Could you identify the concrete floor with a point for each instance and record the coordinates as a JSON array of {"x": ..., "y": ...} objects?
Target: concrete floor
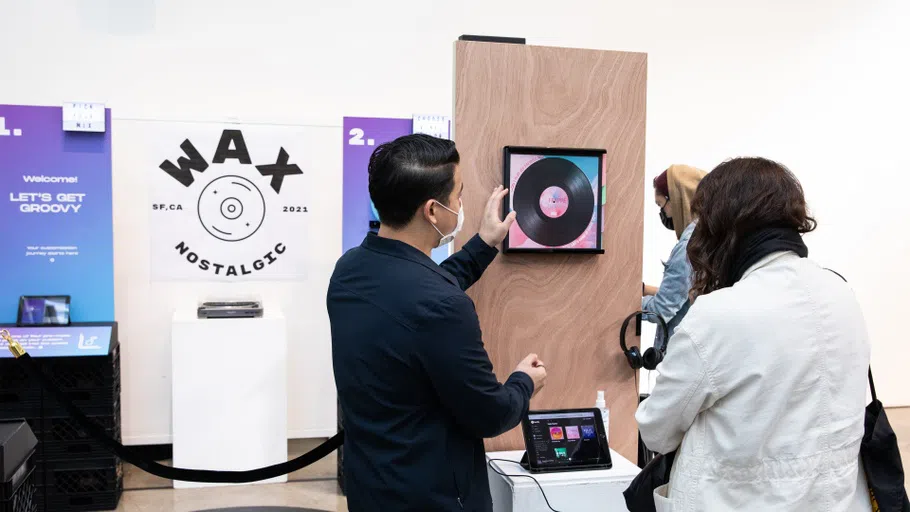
[{"x": 313, "y": 487}]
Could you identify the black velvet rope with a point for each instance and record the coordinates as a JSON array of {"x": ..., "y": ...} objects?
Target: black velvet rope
[{"x": 171, "y": 473}]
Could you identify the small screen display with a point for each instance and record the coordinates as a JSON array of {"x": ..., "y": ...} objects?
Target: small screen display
[
  {"x": 44, "y": 311},
  {"x": 567, "y": 438}
]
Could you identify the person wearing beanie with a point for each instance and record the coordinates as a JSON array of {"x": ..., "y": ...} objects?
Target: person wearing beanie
[{"x": 673, "y": 193}]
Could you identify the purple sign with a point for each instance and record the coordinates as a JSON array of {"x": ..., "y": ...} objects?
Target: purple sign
[
  {"x": 361, "y": 136},
  {"x": 67, "y": 341},
  {"x": 56, "y": 236}
]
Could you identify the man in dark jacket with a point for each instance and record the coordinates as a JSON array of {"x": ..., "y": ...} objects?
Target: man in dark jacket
[{"x": 417, "y": 389}]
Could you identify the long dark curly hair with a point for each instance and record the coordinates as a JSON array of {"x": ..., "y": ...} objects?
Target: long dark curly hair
[{"x": 739, "y": 197}]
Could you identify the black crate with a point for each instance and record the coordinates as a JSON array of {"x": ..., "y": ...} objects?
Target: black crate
[
  {"x": 65, "y": 439},
  {"x": 25, "y": 498},
  {"x": 35, "y": 425},
  {"x": 72, "y": 472},
  {"x": 92, "y": 383},
  {"x": 80, "y": 477},
  {"x": 82, "y": 502},
  {"x": 22, "y": 475},
  {"x": 13, "y": 374},
  {"x": 84, "y": 485},
  {"x": 19, "y": 410},
  {"x": 78, "y": 373},
  {"x": 92, "y": 402},
  {"x": 19, "y": 396}
]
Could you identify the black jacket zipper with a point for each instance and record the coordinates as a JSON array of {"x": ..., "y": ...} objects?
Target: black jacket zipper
[{"x": 458, "y": 491}]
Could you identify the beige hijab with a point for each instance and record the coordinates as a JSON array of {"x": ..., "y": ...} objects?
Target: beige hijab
[{"x": 682, "y": 180}]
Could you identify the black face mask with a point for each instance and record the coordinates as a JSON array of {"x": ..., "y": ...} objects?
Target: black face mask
[{"x": 666, "y": 221}]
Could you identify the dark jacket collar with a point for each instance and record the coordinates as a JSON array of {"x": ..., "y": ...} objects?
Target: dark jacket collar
[{"x": 398, "y": 249}]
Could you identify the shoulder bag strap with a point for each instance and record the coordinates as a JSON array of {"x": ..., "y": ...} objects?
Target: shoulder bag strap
[
  {"x": 872, "y": 385},
  {"x": 871, "y": 382}
]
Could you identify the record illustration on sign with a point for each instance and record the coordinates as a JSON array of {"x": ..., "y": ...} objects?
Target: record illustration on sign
[
  {"x": 231, "y": 208},
  {"x": 556, "y": 199}
]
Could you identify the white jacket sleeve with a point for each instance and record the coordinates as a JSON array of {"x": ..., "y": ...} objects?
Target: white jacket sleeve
[{"x": 684, "y": 389}]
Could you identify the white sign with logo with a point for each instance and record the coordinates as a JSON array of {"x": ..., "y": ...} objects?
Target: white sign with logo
[{"x": 238, "y": 202}]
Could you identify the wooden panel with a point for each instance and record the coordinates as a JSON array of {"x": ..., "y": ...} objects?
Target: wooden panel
[{"x": 566, "y": 308}]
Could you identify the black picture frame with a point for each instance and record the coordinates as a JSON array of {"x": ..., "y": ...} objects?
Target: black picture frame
[{"x": 600, "y": 154}]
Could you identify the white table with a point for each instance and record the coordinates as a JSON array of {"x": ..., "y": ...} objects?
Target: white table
[
  {"x": 568, "y": 491},
  {"x": 229, "y": 393}
]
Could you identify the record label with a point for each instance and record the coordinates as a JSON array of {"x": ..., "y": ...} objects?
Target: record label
[{"x": 554, "y": 202}]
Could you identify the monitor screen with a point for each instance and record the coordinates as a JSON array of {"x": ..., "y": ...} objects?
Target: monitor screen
[
  {"x": 564, "y": 438},
  {"x": 49, "y": 310}
]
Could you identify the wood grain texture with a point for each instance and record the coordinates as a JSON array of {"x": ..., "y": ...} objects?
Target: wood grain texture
[{"x": 566, "y": 308}]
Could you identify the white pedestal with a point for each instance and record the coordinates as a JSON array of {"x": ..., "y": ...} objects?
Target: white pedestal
[
  {"x": 568, "y": 491},
  {"x": 229, "y": 393}
]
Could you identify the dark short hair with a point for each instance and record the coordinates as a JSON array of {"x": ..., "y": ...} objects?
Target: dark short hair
[
  {"x": 409, "y": 171},
  {"x": 739, "y": 197}
]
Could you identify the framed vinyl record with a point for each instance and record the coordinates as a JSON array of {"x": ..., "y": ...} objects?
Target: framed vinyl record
[{"x": 556, "y": 194}]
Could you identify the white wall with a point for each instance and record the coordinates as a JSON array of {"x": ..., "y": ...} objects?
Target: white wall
[{"x": 820, "y": 85}]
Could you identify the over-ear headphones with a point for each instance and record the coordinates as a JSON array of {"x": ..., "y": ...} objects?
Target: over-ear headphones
[{"x": 651, "y": 357}]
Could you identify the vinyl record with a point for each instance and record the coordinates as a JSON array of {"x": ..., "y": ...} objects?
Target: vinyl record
[{"x": 553, "y": 201}]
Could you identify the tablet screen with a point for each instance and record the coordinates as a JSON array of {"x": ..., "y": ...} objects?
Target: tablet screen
[
  {"x": 565, "y": 438},
  {"x": 44, "y": 310}
]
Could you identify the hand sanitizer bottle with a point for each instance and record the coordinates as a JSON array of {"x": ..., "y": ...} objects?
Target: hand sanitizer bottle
[{"x": 604, "y": 412}]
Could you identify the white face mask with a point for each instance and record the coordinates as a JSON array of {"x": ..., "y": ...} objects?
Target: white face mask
[{"x": 446, "y": 239}]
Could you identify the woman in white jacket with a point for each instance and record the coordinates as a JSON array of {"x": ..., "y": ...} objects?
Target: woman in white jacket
[{"x": 763, "y": 387}]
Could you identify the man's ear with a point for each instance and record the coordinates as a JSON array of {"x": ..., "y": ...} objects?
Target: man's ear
[{"x": 429, "y": 211}]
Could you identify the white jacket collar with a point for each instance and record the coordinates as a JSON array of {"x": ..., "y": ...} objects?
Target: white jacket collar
[{"x": 768, "y": 260}]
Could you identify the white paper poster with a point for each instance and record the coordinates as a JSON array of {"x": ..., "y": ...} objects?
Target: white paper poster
[
  {"x": 237, "y": 202},
  {"x": 437, "y": 126}
]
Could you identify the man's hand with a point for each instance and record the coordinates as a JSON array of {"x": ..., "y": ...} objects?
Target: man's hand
[
  {"x": 535, "y": 369},
  {"x": 648, "y": 290},
  {"x": 492, "y": 228}
]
